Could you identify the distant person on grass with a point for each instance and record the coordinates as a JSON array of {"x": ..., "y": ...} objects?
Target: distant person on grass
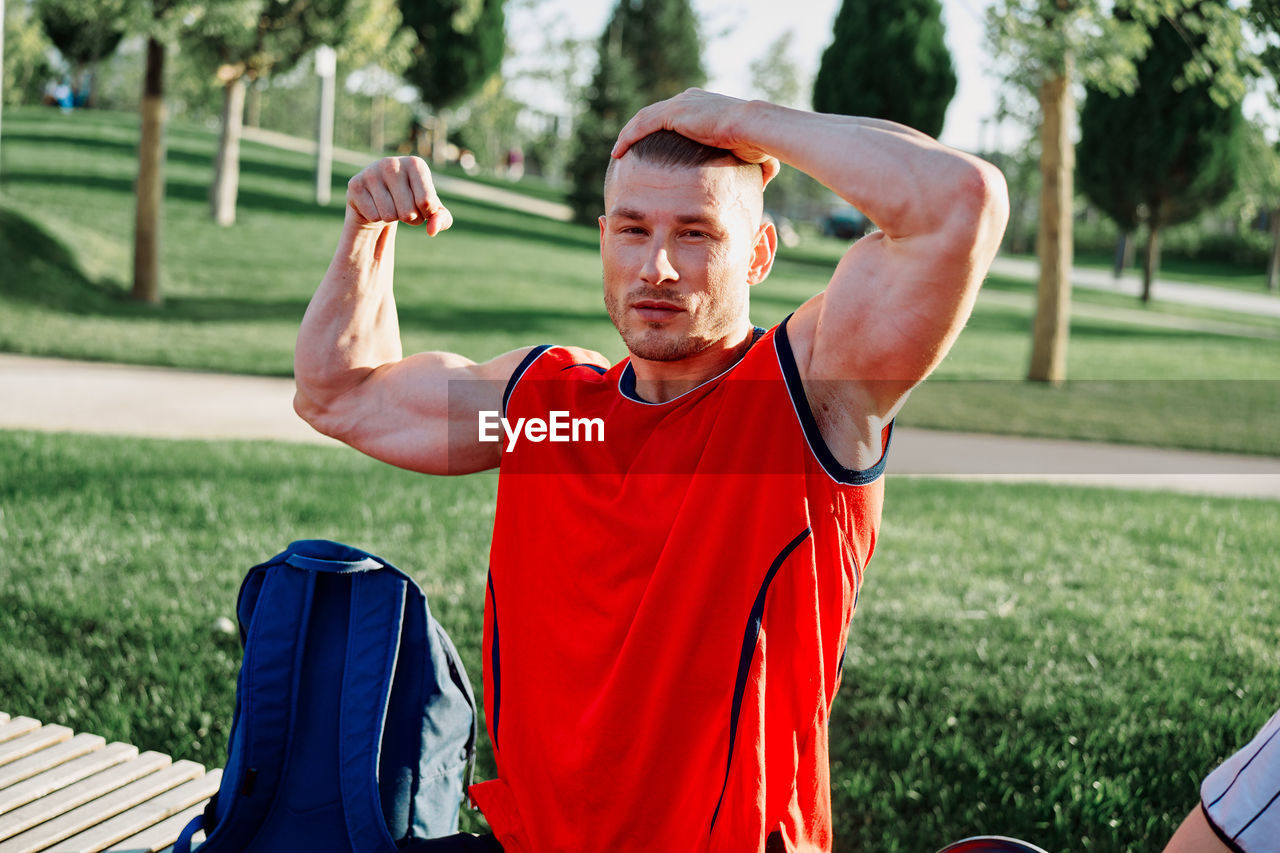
[{"x": 669, "y": 594}]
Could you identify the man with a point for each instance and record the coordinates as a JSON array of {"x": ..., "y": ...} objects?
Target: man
[{"x": 667, "y": 606}]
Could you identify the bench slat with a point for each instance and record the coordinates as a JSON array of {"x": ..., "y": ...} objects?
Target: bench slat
[
  {"x": 74, "y": 796},
  {"x": 142, "y": 816},
  {"x": 162, "y": 836},
  {"x": 77, "y": 759},
  {"x": 92, "y": 813},
  {"x": 17, "y": 727},
  {"x": 21, "y": 747}
]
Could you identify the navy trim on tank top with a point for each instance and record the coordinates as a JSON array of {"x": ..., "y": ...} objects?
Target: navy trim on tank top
[
  {"x": 519, "y": 372},
  {"x": 812, "y": 434},
  {"x": 752, "y": 636},
  {"x": 627, "y": 378}
]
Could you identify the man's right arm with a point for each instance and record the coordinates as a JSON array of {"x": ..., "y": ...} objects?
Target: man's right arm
[{"x": 353, "y": 382}]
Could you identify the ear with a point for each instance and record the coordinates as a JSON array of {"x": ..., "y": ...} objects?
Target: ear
[{"x": 762, "y": 253}]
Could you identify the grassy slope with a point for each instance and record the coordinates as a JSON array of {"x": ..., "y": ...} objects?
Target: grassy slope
[
  {"x": 1060, "y": 664},
  {"x": 502, "y": 279}
]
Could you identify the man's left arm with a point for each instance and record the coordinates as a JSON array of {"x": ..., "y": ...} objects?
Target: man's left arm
[{"x": 900, "y": 296}]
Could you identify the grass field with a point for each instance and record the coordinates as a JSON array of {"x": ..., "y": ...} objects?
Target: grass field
[
  {"x": 1058, "y": 664},
  {"x": 502, "y": 279}
]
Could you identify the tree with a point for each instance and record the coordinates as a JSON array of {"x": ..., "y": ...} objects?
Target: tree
[
  {"x": 84, "y": 33},
  {"x": 159, "y": 21},
  {"x": 776, "y": 78},
  {"x": 460, "y": 46},
  {"x": 612, "y": 98},
  {"x": 650, "y": 50},
  {"x": 1161, "y": 154},
  {"x": 1265, "y": 17},
  {"x": 775, "y": 75},
  {"x": 888, "y": 59},
  {"x": 1047, "y": 45},
  {"x": 246, "y": 40},
  {"x": 378, "y": 49},
  {"x": 25, "y": 63}
]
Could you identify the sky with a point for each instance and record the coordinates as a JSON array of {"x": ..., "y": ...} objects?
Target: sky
[{"x": 739, "y": 31}]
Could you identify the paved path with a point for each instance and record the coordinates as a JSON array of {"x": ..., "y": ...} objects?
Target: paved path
[
  {"x": 73, "y": 396},
  {"x": 1163, "y": 290}
]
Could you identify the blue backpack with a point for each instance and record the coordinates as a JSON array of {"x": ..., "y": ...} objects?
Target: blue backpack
[{"x": 355, "y": 725}]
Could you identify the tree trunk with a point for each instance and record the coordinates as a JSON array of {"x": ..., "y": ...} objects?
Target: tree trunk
[
  {"x": 1, "y": 60},
  {"x": 1122, "y": 251},
  {"x": 377, "y": 123},
  {"x": 439, "y": 140},
  {"x": 226, "y": 163},
  {"x": 1274, "y": 262},
  {"x": 91, "y": 85},
  {"x": 1150, "y": 258},
  {"x": 150, "y": 186},
  {"x": 253, "y": 105},
  {"x": 324, "y": 128},
  {"x": 1054, "y": 245}
]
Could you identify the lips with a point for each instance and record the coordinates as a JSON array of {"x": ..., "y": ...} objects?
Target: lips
[{"x": 656, "y": 310}]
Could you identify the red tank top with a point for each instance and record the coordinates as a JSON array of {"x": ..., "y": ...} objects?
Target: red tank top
[{"x": 667, "y": 609}]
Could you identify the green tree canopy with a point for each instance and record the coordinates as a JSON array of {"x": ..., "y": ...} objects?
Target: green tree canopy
[
  {"x": 84, "y": 32},
  {"x": 649, "y": 50},
  {"x": 25, "y": 64},
  {"x": 244, "y": 40},
  {"x": 1163, "y": 153},
  {"x": 888, "y": 59},
  {"x": 460, "y": 45},
  {"x": 255, "y": 37}
]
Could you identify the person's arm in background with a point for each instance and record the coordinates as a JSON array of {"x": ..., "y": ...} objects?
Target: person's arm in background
[
  {"x": 353, "y": 381},
  {"x": 1239, "y": 806},
  {"x": 1196, "y": 836},
  {"x": 899, "y": 296}
]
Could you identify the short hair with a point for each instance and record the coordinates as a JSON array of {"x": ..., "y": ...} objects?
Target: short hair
[{"x": 674, "y": 150}]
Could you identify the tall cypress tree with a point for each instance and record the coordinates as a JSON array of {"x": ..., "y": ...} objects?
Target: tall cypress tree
[
  {"x": 888, "y": 59},
  {"x": 1162, "y": 154},
  {"x": 460, "y": 46},
  {"x": 650, "y": 50}
]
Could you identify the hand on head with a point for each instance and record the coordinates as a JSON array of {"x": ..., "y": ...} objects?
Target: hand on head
[
  {"x": 706, "y": 117},
  {"x": 397, "y": 189}
]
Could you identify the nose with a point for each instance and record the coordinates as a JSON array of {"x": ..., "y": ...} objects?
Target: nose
[{"x": 657, "y": 267}]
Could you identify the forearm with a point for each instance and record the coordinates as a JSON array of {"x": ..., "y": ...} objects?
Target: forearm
[
  {"x": 904, "y": 181},
  {"x": 350, "y": 327}
]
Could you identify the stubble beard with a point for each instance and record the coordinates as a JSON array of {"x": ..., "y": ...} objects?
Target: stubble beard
[{"x": 657, "y": 342}]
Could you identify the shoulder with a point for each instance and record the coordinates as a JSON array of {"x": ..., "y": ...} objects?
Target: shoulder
[{"x": 552, "y": 361}]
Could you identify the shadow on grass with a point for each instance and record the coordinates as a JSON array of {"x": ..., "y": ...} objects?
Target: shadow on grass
[
  {"x": 249, "y": 165},
  {"x": 39, "y": 269},
  {"x": 174, "y": 191}
]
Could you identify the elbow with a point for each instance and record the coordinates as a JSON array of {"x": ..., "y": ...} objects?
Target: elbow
[
  {"x": 317, "y": 415},
  {"x": 984, "y": 197}
]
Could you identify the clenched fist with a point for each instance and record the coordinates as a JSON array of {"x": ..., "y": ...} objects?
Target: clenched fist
[{"x": 397, "y": 189}]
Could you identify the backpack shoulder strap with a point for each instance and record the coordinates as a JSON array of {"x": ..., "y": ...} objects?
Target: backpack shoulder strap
[{"x": 377, "y": 617}]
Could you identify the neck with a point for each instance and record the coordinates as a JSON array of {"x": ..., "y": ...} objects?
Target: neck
[{"x": 660, "y": 381}]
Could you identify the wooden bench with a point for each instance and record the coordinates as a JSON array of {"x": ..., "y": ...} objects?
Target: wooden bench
[{"x": 62, "y": 792}]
